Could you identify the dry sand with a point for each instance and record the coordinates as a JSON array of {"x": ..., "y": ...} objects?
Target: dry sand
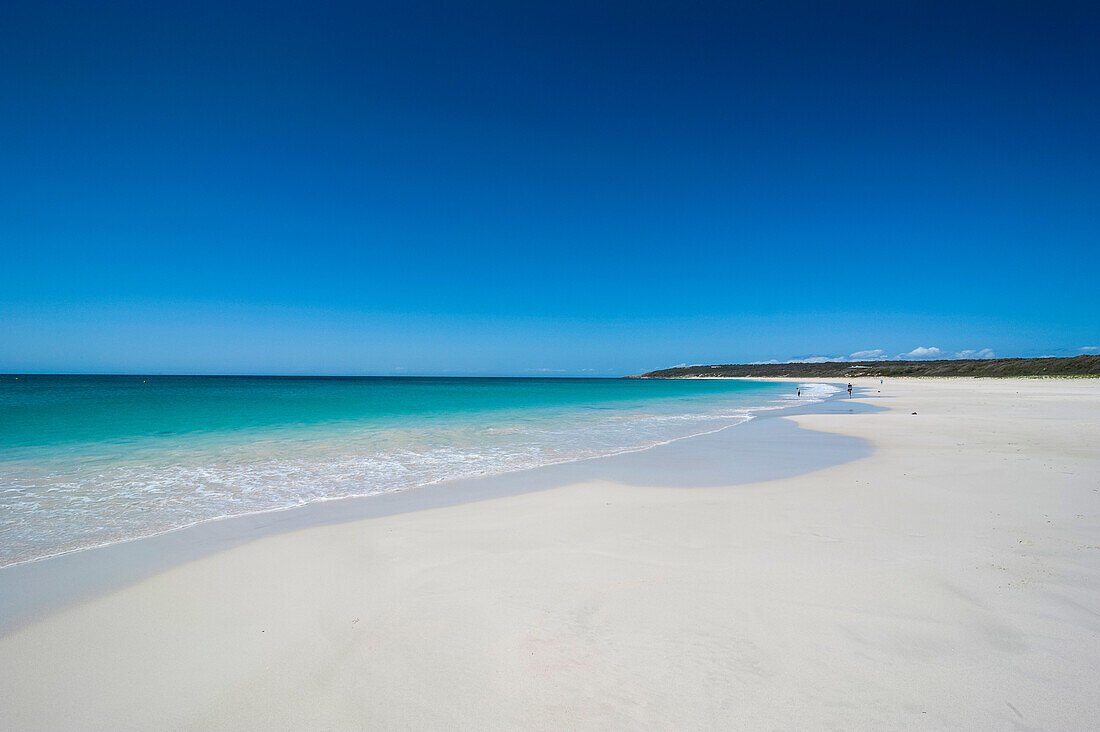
[{"x": 949, "y": 580}]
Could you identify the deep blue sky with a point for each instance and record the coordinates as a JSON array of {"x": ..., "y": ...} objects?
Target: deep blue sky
[{"x": 518, "y": 188}]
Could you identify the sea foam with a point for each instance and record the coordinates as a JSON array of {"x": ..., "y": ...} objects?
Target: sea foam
[{"x": 61, "y": 496}]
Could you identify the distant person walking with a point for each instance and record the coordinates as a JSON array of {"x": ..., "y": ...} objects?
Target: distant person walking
[
  {"x": 799, "y": 391},
  {"x": 849, "y": 390}
]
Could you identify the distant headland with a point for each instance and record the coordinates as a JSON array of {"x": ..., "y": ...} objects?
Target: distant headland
[{"x": 992, "y": 367}]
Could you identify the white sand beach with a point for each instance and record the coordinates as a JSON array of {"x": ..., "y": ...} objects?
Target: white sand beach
[{"x": 949, "y": 579}]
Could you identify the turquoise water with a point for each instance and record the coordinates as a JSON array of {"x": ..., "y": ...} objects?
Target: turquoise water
[{"x": 91, "y": 460}]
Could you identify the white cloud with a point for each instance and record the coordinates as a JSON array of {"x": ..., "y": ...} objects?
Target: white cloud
[
  {"x": 971, "y": 353},
  {"x": 1089, "y": 348},
  {"x": 922, "y": 352},
  {"x": 810, "y": 359},
  {"x": 876, "y": 354},
  {"x": 880, "y": 354},
  {"x": 818, "y": 359}
]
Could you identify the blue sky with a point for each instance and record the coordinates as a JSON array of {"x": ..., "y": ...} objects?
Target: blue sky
[{"x": 561, "y": 188}]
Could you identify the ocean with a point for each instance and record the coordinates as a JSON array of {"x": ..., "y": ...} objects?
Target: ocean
[{"x": 93, "y": 460}]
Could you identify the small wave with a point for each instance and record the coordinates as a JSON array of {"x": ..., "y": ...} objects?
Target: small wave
[{"x": 55, "y": 507}]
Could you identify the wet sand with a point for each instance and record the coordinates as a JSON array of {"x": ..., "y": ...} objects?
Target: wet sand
[{"x": 938, "y": 569}]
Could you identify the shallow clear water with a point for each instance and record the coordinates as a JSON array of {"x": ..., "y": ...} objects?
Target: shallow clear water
[{"x": 90, "y": 460}]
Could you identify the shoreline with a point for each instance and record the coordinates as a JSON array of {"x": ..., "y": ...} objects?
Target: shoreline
[
  {"x": 754, "y": 413},
  {"x": 948, "y": 579},
  {"x": 32, "y": 588}
]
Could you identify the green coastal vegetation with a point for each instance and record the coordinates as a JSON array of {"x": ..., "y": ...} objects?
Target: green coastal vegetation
[{"x": 992, "y": 367}]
